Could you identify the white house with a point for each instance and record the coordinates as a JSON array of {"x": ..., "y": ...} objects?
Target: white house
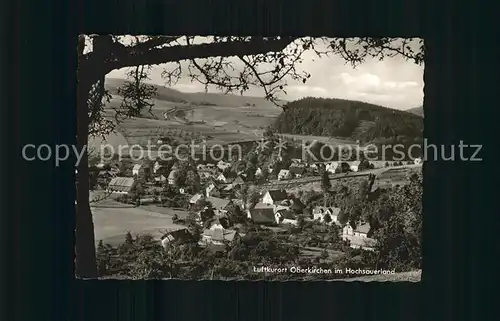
[
  {"x": 217, "y": 235},
  {"x": 136, "y": 169},
  {"x": 320, "y": 212},
  {"x": 258, "y": 172},
  {"x": 286, "y": 217},
  {"x": 274, "y": 197},
  {"x": 221, "y": 178},
  {"x": 212, "y": 190},
  {"x": 332, "y": 167},
  {"x": 172, "y": 177},
  {"x": 358, "y": 237},
  {"x": 354, "y": 166},
  {"x": 222, "y": 165},
  {"x": 284, "y": 174},
  {"x": 195, "y": 198}
]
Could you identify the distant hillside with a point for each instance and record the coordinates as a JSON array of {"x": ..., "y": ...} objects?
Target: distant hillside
[
  {"x": 210, "y": 99},
  {"x": 348, "y": 119},
  {"x": 417, "y": 111}
]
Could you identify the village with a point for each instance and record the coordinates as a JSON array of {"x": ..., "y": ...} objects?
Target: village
[{"x": 226, "y": 199}]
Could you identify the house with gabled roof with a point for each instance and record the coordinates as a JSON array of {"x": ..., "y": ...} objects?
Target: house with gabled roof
[
  {"x": 195, "y": 198},
  {"x": 218, "y": 236},
  {"x": 212, "y": 190},
  {"x": 263, "y": 215},
  {"x": 354, "y": 166},
  {"x": 137, "y": 169},
  {"x": 222, "y": 165},
  {"x": 286, "y": 217},
  {"x": 358, "y": 236},
  {"x": 221, "y": 178},
  {"x": 332, "y": 167},
  {"x": 219, "y": 205},
  {"x": 172, "y": 177},
  {"x": 173, "y": 236},
  {"x": 284, "y": 174},
  {"x": 320, "y": 212},
  {"x": 121, "y": 185},
  {"x": 274, "y": 197}
]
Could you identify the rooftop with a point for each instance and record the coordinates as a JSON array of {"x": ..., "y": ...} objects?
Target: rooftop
[
  {"x": 122, "y": 184},
  {"x": 262, "y": 215},
  {"x": 278, "y": 195},
  {"x": 218, "y": 202}
]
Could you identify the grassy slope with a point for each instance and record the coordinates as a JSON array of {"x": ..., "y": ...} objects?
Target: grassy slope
[
  {"x": 217, "y": 118},
  {"x": 172, "y": 95}
]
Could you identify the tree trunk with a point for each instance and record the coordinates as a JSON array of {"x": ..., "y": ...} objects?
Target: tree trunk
[{"x": 86, "y": 265}]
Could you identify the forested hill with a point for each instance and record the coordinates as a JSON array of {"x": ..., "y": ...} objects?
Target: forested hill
[{"x": 350, "y": 119}]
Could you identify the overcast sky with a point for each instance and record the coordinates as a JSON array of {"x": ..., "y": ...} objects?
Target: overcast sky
[{"x": 393, "y": 82}]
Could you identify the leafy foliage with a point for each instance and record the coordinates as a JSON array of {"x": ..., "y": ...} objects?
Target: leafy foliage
[
  {"x": 137, "y": 95},
  {"x": 342, "y": 118}
]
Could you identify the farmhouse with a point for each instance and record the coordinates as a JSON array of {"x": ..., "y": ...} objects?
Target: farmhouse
[
  {"x": 358, "y": 236},
  {"x": 195, "y": 198},
  {"x": 172, "y": 177},
  {"x": 320, "y": 212},
  {"x": 284, "y": 174},
  {"x": 221, "y": 178},
  {"x": 286, "y": 217},
  {"x": 354, "y": 166},
  {"x": 332, "y": 167},
  {"x": 222, "y": 165},
  {"x": 137, "y": 170},
  {"x": 212, "y": 190},
  {"x": 262, "y": 215},
  {"x": 274, "y": 197},
  {"x": 121, "y": 185},
  {"x": 219, "y": 205},
  {"x": 218, "y": 236},
  {"x": 178, "y": 235}
]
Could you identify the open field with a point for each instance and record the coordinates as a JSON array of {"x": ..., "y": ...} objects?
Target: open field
[
  {"x": 112, "y": 220},
  {"x": 215, "y": 124},
  {"x": 330, "y": 141}
]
